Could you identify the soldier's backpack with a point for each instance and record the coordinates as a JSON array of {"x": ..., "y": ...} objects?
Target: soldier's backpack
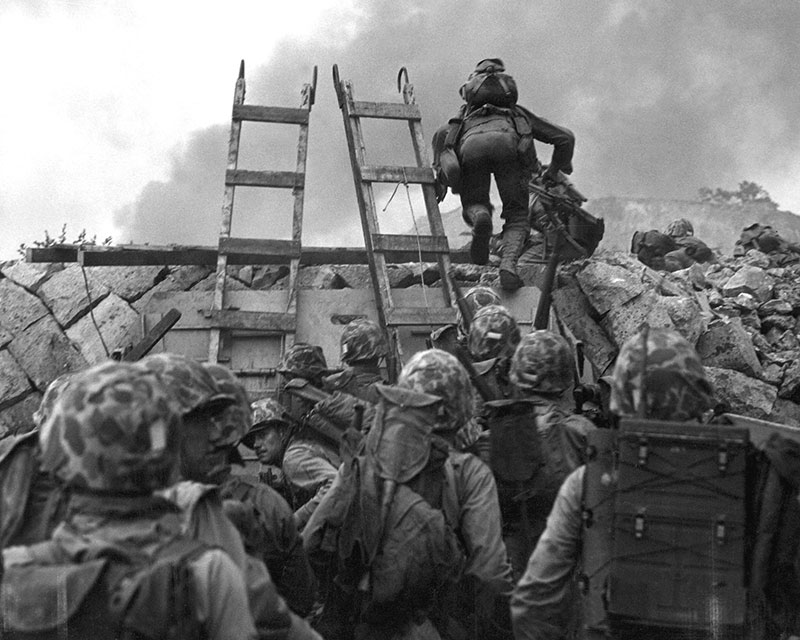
[
  {"x": 109, "y": 594},
  {"x": 664, "y": 518},
  {"x": 489, "y": 84},
  {"x": 651, "y": 247},
  {"x": 391, "y": 518}
]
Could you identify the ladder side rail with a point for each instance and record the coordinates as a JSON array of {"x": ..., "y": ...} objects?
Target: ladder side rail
[
  {"x": 367, "y": 211},
  {"x": 429, "y": 194},
  {"x": 227, "y": 215},
  {"x": 299, "y": 203}
]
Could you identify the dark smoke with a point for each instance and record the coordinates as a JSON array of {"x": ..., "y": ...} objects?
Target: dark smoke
[{"x": 664, "y": 98}]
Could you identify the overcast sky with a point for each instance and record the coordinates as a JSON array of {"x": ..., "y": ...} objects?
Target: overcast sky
[{"x": 115, "y": 114}]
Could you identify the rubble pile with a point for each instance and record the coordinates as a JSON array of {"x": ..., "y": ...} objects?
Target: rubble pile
[
  {"x": 740, "y": 312},
  {"x": 46, "y": 328}
]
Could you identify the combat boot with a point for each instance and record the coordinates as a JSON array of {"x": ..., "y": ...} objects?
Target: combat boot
[
  {"x": 480, "y": 219},
  {"x": 514, "y": 237}
]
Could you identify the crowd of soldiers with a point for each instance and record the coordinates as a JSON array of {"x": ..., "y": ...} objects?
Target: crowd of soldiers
[
  {"x": 420, "y": 509},
  {"x": 458, "y": 502}
]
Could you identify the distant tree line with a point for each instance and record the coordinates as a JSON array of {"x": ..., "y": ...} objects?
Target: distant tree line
[
  {"x": 748, "y": 193},
  {"x": 61, "y": 238}
]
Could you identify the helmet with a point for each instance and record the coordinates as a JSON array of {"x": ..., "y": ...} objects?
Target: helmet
[
  {"x": 234, "y": 421},
  {"x": 51, "y": 394},
  {"x": 440, "y": 374},
  {"x": 475, "y": 298},
  {"x": 675, "y": 382},
  {"x": 680, "y": 228},
  {"x": 542, "y": 363},
  {"x": 114, "y": 428},
  {"x": 190, "y": 384},
  {"x": 362, "y": 339},
  {"x": 304, "y": 361},
  {"x": 493, "y": 334},
  {"x": 266, "y": 412}
]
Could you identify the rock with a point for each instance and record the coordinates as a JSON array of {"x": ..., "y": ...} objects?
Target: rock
[
  {"x": 18, "y": 418},
  {"x": 715, "y": 298},
  {"x": 757, "y": 258},
  {"x": 267, "y": 275},
  {"x": 695, "y": 276},
  {"x": 687, "y": 316},
  {"x": 781, "y": 322},
  {"x": 752, "y": 280},
  {"x": 209, "y": 283},
  {"x": 790, "y": 387},
  {"x": 5, "y": 337},
  {"x": 356, "y": 276},
  {"x": 14, "y": 383},
  {"x": 429, "y": 273},
  {"x": 574, "y": 311},
  {"x": 29, "y": 274},
  {"x": 776, "y": 306},
  {"x": 772, "y": 374},
  {"x": 45, "y": 352},
  {"x": 727, "y": 345},
  {"x": 777, "y": 272},
  {"x": 467, "y": 272},
  {"x": 785, "y": 412},
  {"x": 625, "y": 320},
  {"x": 751, "y": 320},
  {"x": 245, "y": 274},
  {"x": 65, "y": 293},
  {"x": 19, "y": 308},
  {"x": 746, "y": 302},
  {"x": 743, "y": 394},
  {"x": 129, "y": 283},
  {"x": 118, "y": 323},
  {"x": 608, "y": 286},
  {"x": 790, "y": 293}
]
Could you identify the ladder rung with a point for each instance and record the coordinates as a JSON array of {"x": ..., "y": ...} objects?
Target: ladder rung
[
  {"x": 282, "y": 115},
  {"x": 277, "y": 179},
  {"x": 389, "y": 110},
  {"x": 259, "y": 247},
  {"x": 410, "y": 316},
  {"x": 396, "y": 242},
  {"x": 412, "y": 175},
  {"x": 252, "y": 320}
]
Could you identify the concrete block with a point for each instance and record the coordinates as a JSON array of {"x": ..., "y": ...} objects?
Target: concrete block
[
  {"x": 129, "y": 283},
  {"x": 65, "y": 293},
  {"x": 118, "y": 323},
  {"x": 29, "y": 274},
  {"x": 18, "y": 418},
  {"x": 45, "y": 352},
  {"x": 14, "y": 383},
  {"x": 20, "y": 308}
]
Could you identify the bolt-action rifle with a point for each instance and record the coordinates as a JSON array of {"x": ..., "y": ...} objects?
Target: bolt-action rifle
[{"x": 574, "y": 233}]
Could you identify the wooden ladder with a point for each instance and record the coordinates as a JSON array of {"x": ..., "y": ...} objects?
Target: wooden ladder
[
  {"x": 283, "y": 323},
  {"x": 433, "y": 246}
]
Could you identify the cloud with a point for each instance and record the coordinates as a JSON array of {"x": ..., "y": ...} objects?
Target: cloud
[{"x": 664, "y": 98}]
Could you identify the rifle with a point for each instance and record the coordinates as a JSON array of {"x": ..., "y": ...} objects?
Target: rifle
[
  {"x": 463, "y": 307},
  {"x": 565, "y": 220}
]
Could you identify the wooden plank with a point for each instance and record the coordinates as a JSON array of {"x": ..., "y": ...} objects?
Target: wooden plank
[
  {"x": 259, "y": 247},
  {"x": 177, "y": 255},
  {"x": 251, "y": 320},
  {"x": 153, "y": 336},
  {"x": 273, "y": 179},
  {"x": 386, "y": 110},
  {"x": 398, "y": 242},
  {"x": 411, "y": 175},
  {"x": 278, "y": 115},
  {"x": 416, "y": 316}
]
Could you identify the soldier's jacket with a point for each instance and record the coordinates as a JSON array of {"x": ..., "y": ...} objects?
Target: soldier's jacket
[
  {"x": 141, "y": 526},
  {"x": 272, "y": 537},
  {"x": 203, "y": 519},
  {"x": 356, "y": 380}
]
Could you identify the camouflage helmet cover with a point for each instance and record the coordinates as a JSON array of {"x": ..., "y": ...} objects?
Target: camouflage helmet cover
[
  {"x": 475, "y": 298},
  {"x": 680, "y": 228},
  {"x": 676, "y": 385},
  {"x": 114, "y": 428},
  {"x": 494, "y": 333},
  {"x": 362, "y": 339},
  {"x": 234, "y": 421},
  {"x": 439, "y": 373},
  {"x": 304, "y": 361},
  {"x": 542, "y": 363},
  {"x": 267, "y": 412},
  {"x": 51, "y": 394},
  {"x": 192, "y": 386}
]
